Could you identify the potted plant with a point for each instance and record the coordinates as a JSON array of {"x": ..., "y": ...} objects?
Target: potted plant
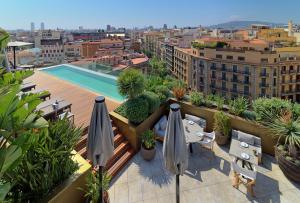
[
  {"x": 222, "y": 127},
  {"x": 148, "y": 145},
  {"x": 92, "y": 191},
  {"x": 179, "y": 90},
  {"x": 287, "y": 129}
]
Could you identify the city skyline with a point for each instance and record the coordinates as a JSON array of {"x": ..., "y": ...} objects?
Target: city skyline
[{"x": 93, "y": 14}]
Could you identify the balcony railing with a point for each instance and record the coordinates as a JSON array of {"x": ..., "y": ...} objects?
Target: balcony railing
[{"x": 263, "y": 85}]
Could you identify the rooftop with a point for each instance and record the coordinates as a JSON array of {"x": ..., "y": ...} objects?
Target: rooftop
[{"x": 207, "y": 179}]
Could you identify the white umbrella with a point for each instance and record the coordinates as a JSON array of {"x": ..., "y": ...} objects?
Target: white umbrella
[
  {"x": 17, "y": 44},
  {"x": 100, "y": 142},
  {"x": 175, "y": 150}
]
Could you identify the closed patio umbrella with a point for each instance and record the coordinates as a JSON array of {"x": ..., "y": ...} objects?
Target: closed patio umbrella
[
  {"x": 100, "y": 144},
  {"x": 175, "y": 150}
]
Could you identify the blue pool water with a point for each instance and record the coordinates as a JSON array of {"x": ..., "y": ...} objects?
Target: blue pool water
[{"x": 104, "y": 84}]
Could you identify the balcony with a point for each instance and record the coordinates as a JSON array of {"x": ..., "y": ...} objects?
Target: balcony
[
  {"x": 213, "y": 68},
  {"x": 264, "y": 74},
  {"x": 263, "y": 85},
  {"x": 246, "y": 72},
  {"x": 223, "y": 79},
  {"x": 234, "y": 90},
  {"x": 288, "y": 81}
]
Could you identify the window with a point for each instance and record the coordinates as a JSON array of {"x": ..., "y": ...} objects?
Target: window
[
  {"x": 234, "y": 78},
  {"x": 234, "y": 68},
  {"x": 234, "y": 87},
  {"x": 223, "y": 76},
  {"x": 263, "y": 91},
  {"x": 223, "y": 85},
  {"x": 283, "y": 79},
  {"x": 223, "y": 67},
  {"x": 229, "y": 57},
  {"x": 218, "y": 56},
  {"x": 246, "y": 79},
  {"x": 274, "y": 81},
  {"x": 246, "y": 89},
  {"x": 264, "y": 60},
  {"x": 213, "y": 75},
  {"x": 246, "y": 69},
  {"x": 241, "y": 58},
  {"x": 201, "y": 54},
  {"x": 263, "y": 81}
]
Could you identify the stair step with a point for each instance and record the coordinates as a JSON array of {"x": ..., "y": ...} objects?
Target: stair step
[
  {"x": 118, "y": 139},
  {"x": 121, "y": 162},
  {"x": 118, "y": 152},
  {"x": 83, "y": 153},
  {"x": 82, "y": 142},
  {"x": 115, "y": 130}
]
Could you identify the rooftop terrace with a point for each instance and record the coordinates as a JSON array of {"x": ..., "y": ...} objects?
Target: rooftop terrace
[{"x": 207, "y": 179}]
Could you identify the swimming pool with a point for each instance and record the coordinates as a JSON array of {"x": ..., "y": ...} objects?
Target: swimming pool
[{"x": 97, "y": 82}]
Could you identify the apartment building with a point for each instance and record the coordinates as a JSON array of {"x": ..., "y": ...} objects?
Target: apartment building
[
  {"x": 72, "y": 50},
  {"x": 102, "y": 47},
  {"x": 275, "y": 35},
  {"x": 150, "y": 42},
  {"x": 51, "y": 44},
  {"x": 232, "y": 72},
  {"x": 182, "y": 65}
]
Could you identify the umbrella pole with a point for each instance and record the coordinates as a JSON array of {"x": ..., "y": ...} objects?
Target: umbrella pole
[
  {"x": 100, "y": 170},
  {"x": 177, "y": 189},
  {"x": 14, "y": 49}
]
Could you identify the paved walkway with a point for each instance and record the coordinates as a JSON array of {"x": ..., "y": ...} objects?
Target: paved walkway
[
  {"x": 206, "y": 180},
  {"x": 82, "y": 99}
]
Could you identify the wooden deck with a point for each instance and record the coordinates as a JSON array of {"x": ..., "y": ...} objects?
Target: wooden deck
[{"x": 82, "y": 99}]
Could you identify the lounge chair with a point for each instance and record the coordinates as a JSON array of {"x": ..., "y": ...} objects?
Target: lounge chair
[
  {"x": 43, "y": 94},
  {"x": 200, "y": 121},
  {"x": 25, "y": 87},
  {"x": 244, "y": 175},
  {"x": 160, "y": 128},
  {"x": 68, "y": 115},
  {"x": 249, "y": 139}
]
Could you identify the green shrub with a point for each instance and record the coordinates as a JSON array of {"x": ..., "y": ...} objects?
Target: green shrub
[
  {"x": 238, "y": 106},
  {"x": 250, "y": 115},
  {"x": 288, "y": 158},
  {"x": 296, "y": 110},
  {"x": 93, "y": 183},
  {"x": 297, "y": 162},
  {"x": 152, "y": 100},
  {"x": 197, "y": 98},
  {"x": 121, "y": 110},
  {"x": 222, "y": 123},
  {"x": 48, "y": 162},
  {"x": 148, "y": 139},
  {"x": 219, "y": 102},
  {"x": 152, "y": 81},
  {"x": 209, "y": 100},
  {"x": 131, "y": 83},
  {"x": 273, "y": 107},
  {"x": 136, "y": 110},
  {"x": 162, "y": 92}
]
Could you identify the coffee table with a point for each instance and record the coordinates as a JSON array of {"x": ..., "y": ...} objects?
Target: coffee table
[{"x": 190, "y": 132}]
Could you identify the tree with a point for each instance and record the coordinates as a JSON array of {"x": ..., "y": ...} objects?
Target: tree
[
  {"x": 131, "y": 83},
  {"x": 158, "y": 67}
]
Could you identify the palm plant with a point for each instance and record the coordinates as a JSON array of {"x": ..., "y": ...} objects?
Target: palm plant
[
  {"x": 284, "y": 127},
  {"x": 131, "y": 83}
]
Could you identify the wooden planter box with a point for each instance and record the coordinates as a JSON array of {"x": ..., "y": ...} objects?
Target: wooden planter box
[
  {"x": 132, "y": 132},
  {"x": 69, "y": 190}
]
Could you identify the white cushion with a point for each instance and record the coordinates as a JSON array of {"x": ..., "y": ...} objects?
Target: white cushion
[{"x": 163, "y": 123}]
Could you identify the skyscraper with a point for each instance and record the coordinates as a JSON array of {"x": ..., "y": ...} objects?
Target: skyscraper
[
  {"x": 108, "y": 28},
  {"x": 42, "y": 26},
  {"x": 165, "y": 26},
  {"x": 32, "y": 26}
]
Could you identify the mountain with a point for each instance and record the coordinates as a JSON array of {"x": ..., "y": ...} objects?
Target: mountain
[{"x": 243, "y": 24}]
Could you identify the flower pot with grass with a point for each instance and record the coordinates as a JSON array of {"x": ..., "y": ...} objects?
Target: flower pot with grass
[
  {"x": 148, "y": 145},
  {"x": 222, "y": 128}
]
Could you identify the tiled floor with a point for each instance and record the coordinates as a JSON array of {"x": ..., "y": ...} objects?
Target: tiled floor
[{"x": 208, "y": 179}]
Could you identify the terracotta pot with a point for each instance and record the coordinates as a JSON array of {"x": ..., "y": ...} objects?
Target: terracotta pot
[
  {"x": 221, "y": 139},
  {"x": 148, "y": 154},
  {"x": 289, "y": 168}
]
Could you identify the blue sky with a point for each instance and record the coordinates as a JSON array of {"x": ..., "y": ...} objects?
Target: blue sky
[{"x": 129, "y": 13}]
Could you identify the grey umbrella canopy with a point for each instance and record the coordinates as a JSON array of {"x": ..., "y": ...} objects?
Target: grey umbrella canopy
[
  {"x": 175, "y": 150},
  {"x": 100, "y": 143}
]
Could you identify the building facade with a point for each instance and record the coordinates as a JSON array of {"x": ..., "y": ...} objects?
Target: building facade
[
  {"x": 247, "y": 73},
  {"x": 51, "y": 44}
]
